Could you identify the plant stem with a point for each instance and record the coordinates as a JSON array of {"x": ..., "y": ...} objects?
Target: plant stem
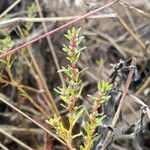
[{"x": 10, "y": 52}]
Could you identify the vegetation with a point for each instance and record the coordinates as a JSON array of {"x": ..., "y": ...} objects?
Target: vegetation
[{"x": 87, "y": 91}]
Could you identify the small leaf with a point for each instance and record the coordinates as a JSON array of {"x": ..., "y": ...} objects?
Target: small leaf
[
  {"x": 69, "y": 33},
  {"x": 78, "y": 31},
  {"x": 63, "y": 106},
  {"x": 73, "y": 30},
  {"x": 80, "y": 91},
  {"x": 77, "y": 116},
  {"x": 81, "y": 49},
  {"x": 99, "y": 119},
  {"x": 105, "y": 98},
  {"x": 64, "y": 98},
  {"x": 80, "y": 40},
  {"x": 67, "y": 36},
  {"x": 56, "y": 90},
  {"x": 64, "y": 70},
  {"x": 66, "y": 48},
  {"x": 77, "y": 135}
]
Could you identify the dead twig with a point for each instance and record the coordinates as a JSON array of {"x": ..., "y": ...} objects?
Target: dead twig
[
  {"x": 136, "y": 38},
  {"x": 9, "y": 8},
  {"x": 49, "y": 100},
  {"x": 143, "y": 87},
  {"x": 3, "y": 146},
  {"x": 32, "y": 120},
  {"x": 10, "y": 52},
  {"x": 137, "y": 10},
  {"x": 50, "y": 44},
  {"x": 137, "y": 100},
  {"x": 14, "y": 21},
  {"x": 15, "y": 139},
  {"x": 117, "y": 114}
]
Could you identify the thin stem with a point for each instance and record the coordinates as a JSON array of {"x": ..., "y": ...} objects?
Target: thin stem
[
  {"x": 50, "y": 100},
  {"x": 32, "y": 120},
  {"x": 117, "y": 114},
  {"x": 10, "y": 52},
  {"x": 137, "y": 39},
  {"x": 50, "y": 44},
  {"x": 18, "y": 20},
  {"x": 15, "y": 139},
  {"x": 19, "y": 87},
  {"x": 139, "y": 11},
  {"x": 9, "y": 8},
  {"x": 3, "y": 147}
]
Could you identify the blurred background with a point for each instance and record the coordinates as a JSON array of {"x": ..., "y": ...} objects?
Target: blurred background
[{"x": 27, "y": 79}]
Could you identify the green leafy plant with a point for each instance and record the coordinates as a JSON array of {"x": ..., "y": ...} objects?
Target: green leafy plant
[
  {"x": 94, "y": 117},
  {"x": 70, "y": 94}
]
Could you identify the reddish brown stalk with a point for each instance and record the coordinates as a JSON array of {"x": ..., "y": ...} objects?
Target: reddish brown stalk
[{"x": 10, "y": 52}]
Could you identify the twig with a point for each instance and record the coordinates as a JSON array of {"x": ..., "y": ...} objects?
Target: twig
[
  {"x": 137, "y": 100},
  {"x": 117, "y": 114},
  {"x": 15, "y": 139},
  {"x": 112, "y": 41},
  {"x": 50, "y": 100},
  {"x": 19, "y": 20},
  {"x": 14, "y": 129},
  {"x": 50, "y": 45},
  {"x": 10, "y": 52},
  {"x": 3, "y": 147},
  {"x": 9, "y": 8},
  {"x": 32, "y": 120},
  {"x": 18, "y": 86},
  {"x": 144, "y": 86},
  {"x": 143, "y": 13},
  {"x": 137, "y": 39},
  {"x": 130, "y": 51}
]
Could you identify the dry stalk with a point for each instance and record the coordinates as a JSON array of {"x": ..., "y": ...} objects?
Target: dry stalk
[
  {"x": 117, "y": 114},
  {"x": 137, "y": 39},
  {"x": 9, "y": 8},
  {"x": 49, "y": 99},
  {"x": 143, "y": 87},
  {"x": 19, "y": 20},
  {"x": 137, "y": 10},
  {"x": 3, "y": 146},
  {"x": 32, "y": 120},
  {"x": 50, "y": 44},
  {"x": 12, "y": 51},
  {"x": 15, "y": 139}
]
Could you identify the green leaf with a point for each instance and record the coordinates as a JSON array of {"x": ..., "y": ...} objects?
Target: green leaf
[
  {"x": 80, "y": 40},
  {"x": 99, "y": 119},
  {"x": 81, "y": 49},
  {"x": 58, "y": 91},
  {"x": 67, "y": 36},
  {"x": 66, "y": 48},
  {"x": 63, "y": 106},
  {"x": 92, "y": 97},
  {"x": 77, "y": 116},
  {"x": 80, "y": 90},
  {"x": 65, "y": 71},
  {"x": 71, "y": 118},
  {"x": 64, "y": 98},
  {"x": 78, "y": 31},
  {"x": 100, "y": 62},
  {"x": 105, "y": 98},
  {"x": 73, "y": 30},
  {"x": 69, "y": 33},
  {"x": 77, "y": 135}
]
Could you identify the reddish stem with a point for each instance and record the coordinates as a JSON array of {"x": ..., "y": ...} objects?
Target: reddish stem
[{"x": 10, "y": 52}]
